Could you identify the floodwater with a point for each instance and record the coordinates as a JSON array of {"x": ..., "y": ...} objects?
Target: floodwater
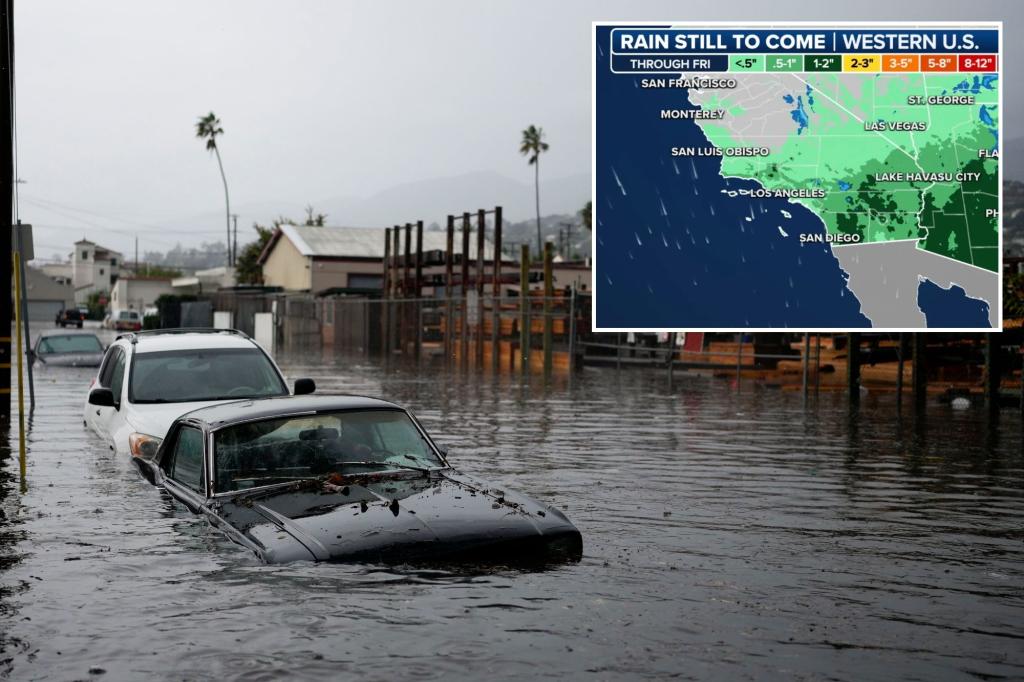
[{"x": 729, "y": 534}]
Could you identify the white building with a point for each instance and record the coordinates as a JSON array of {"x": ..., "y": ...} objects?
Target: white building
[
  {"x": 138, "y": 293},
  {"x": 93, "y": 268}
]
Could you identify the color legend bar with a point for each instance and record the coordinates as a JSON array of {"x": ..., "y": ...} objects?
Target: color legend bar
[
  {"x": 977, "y": 62},
  {"x": 823, "y": 62},
  {"x": 862, "y": 63},
  {"x": 785, "y": 62},
  {"x": 938, "y": 62},
  {"x": 901, "y": 63},
  {"x": 746, "y": 62}
]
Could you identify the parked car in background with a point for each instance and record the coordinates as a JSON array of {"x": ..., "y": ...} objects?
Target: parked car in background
[
  {"x": 345, "y": 478},
  {"x": 148, "y": 379},
  {"x": 85, "y": 311},
  {"x": 68, "y": 349},
  {"x": 69, "y": 317},
  {"x": 124, "y": 320}
]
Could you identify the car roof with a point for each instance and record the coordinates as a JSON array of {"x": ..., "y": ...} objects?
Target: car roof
[
  {"x": 66, "y": 332},
  {"x": 223, "y": 414},
  {"x": 182, "y": 339}
]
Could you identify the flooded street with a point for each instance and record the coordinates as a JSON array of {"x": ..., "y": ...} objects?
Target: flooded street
[{"x": 727, "y": 535}]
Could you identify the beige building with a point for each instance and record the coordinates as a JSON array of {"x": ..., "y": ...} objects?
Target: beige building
[
  {"x": 46, "y": 296},
  {"x": 315, "y": 259}
]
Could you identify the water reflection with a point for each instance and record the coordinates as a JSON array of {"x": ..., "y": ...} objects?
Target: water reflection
[{"x": 727, "y": 535}]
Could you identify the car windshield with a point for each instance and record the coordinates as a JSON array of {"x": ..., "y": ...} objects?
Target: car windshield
[
  {"x": 70, "y": 343},
  {"x": 190, "y": 375},
  {"x": 301, "y": 447}
]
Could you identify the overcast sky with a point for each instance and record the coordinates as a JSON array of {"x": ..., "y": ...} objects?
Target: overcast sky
[{"x": 322, "y": 99}]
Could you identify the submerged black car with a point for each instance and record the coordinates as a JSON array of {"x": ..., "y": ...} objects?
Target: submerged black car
[{"x": 339, "y": 478}]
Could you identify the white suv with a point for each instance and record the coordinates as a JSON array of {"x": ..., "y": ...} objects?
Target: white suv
[{"x": 149, "y": 379}]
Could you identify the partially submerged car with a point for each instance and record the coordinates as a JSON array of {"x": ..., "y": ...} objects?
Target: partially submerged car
[
  {"x": 69, "y": 317},
  {"x": 343, "y": 478},
  {"x": 148, "y": 379},
  {"x": 68, "y": 349}
]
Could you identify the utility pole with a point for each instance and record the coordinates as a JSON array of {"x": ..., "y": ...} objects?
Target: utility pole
[
  {"x": 136, "y": 255},
  {"x": 234, "y": 249},
  {"x": 567, "y": 255},
  {"x": 7, "y": 180}
]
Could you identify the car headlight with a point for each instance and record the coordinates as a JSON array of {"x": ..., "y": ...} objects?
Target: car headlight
[{"x": 142, "y": 445}]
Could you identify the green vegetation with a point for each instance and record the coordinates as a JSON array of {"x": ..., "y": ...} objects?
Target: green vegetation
[{"x": 247, "y": 268}]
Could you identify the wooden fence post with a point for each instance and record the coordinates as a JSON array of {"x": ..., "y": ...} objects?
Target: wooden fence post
[{"x": 549, "y": 292}]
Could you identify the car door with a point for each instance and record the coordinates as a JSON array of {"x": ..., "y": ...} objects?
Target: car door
[
  {"x": 183, "y": 469},
  {"x": 108, "y": 419}
]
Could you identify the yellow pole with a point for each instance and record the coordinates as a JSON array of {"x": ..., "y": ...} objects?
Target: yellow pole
[{"x": 21, "y": 389}]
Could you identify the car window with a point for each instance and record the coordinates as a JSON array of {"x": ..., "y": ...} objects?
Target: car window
[
  {"x": 187, "y": 459},
  {"x": 117, "y": 376},
  {"x": 109, "y": 362},
  {"x": 195, "y": 374},
  {"x": 284, "y": 449},
  {"x": 71, "y": 343}
]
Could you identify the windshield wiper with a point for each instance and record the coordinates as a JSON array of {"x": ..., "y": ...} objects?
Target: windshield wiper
[{"x": 389, "y": 465}]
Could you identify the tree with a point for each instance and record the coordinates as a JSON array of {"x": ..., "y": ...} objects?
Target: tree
[
  {"x": 587, "y": 215},
  {"x": 248, "y": 269},
  {"x": 208, "y": 128},
  {"x": 532, "y": 146}
]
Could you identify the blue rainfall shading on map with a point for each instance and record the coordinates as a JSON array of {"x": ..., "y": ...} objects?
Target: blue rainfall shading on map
[
  {"x": 674, "y": 251},
  {"x": 950, "y": 308}
]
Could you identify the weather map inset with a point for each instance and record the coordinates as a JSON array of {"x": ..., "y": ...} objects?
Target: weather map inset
[{"x": 797, "y": 177}]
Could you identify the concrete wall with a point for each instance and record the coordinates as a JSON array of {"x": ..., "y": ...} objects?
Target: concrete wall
[{"x": 286, "y": 267}]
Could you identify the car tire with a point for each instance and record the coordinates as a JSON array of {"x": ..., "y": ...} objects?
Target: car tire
[{"x": 79, "y": 325}]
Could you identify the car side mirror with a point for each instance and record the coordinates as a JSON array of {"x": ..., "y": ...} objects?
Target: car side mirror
[
  {"x": 304, "y": 386},
  {"x": 101, "y": 397}
]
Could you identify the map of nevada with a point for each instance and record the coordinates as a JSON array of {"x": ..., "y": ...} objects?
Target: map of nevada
[{"x": 895, "y": 160}]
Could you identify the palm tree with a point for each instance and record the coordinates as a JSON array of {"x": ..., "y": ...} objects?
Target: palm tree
[
  {"x": 532, "y": 145},
  {"x": 208, "y": 128}
]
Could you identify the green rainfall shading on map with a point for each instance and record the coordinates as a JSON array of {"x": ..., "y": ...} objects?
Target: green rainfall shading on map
[{"x": 887, "y": 156}]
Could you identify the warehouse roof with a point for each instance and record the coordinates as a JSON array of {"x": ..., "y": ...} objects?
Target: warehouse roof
[{"x": 358, "y": 242}]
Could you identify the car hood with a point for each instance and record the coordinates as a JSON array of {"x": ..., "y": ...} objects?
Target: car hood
[
  {"x": 153, "y": 419},
  {"x": 446, "y": 516}
]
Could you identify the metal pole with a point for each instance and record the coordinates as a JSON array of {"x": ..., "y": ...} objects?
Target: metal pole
[
  {"x": 234, "y": 241},
  {"x": 549, "y": 292},
  {"x": 7, "y": 181},
  {"x": 23, "y": 302},
  {"x": 449, "y": 279},
  {"x": 481, "y": 230},
  {"x": 524, "y": 307},
  {"x": 21, "y": 389},
  {"x": 464, "y": 322},
  {"x": 496, "y": 293}
]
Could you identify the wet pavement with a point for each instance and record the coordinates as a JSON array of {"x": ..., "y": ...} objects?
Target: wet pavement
[{"x": 727, "y": 535}]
